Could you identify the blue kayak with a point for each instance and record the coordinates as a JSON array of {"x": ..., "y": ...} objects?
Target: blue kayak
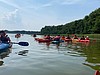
[
  {"x": 4, "y": 46},
  {"x": 57, "y": 42}
]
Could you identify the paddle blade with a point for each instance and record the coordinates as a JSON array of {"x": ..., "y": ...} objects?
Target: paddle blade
[{"x": 23, "y": 43}]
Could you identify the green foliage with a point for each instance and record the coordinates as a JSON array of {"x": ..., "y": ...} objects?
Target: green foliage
[{"x": 89, "y": 24}]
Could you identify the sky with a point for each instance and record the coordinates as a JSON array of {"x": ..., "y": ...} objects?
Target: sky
[{"x": 32, "y": 15}]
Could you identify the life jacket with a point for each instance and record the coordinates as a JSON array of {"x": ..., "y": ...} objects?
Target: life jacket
[
  {"x": 87, "y": 39},
  {"x": 47, "y": 37},
  {"x": 57, "y": 38},
  {"x": 63, "y": 37},
  {"x": 4, "y": 39}
]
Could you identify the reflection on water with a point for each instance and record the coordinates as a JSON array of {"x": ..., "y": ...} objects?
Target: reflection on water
[
  {"x": 90, "y": 50},
  {"x": 3, "y": 55},
  {"x": 23, "y": 52},
  {"x": 1, "y": 63},
  {"x": 92, "y": 53},
  {"x": 66, "y": 58}
]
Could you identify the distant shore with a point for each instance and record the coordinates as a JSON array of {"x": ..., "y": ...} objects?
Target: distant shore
[{"x": 24, "y": 32}]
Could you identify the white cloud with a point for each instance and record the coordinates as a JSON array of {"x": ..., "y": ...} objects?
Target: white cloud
[
  {"x": 10, "y": 3},
  {"x": 55, "y": 2},
  {"x": 37, "y": 7},
  {"x": 9, "y": 15},
  {"x": 67, "y": 2},
  {"x": 70, "y": 1},
  {"x": 11, "y": 20}
]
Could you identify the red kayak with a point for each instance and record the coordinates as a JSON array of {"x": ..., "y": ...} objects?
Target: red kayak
[
  {"x": 43, "y": 40},
  {"x": 84, "y": 40},
  {"x": 67, "y": 40},
  {"x": 78, "y": 40},
  {"x": 36, "y": 39},
  {"x": 97, "y": 73}
]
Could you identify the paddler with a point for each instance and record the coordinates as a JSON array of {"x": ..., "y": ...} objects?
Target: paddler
[
  {"x": 75, "y": 37},
  {"x": 4, "y": 38}
]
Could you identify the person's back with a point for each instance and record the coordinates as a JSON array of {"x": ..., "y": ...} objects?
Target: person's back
[
  {"x": 57, "y": 38},
  {"x": 48, "y": 37},
  {"x": 82, "y": 38},
  {"x": 75, "y": 37},
  {"x": 68, "y": 37},
  {"x": 87, "y": 38}
]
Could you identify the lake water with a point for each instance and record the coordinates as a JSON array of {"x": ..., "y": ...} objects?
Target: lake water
[{"x": 40, "y": 59}]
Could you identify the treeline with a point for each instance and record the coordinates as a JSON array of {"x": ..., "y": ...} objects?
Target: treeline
[
  {"x": 24, "y": 32},
  {"x": 88, "y": 25}
]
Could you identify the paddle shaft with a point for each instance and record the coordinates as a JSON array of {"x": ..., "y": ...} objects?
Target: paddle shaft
[{"x": 21, "y": 43}]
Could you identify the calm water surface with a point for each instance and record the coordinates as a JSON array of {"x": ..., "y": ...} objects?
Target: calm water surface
[{"x": 40, "y": 59}]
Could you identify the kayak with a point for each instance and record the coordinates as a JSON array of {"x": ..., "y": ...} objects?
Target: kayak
[
  {"x": 78, "y": 40},
  {"x": 97, "y": 73},
  {"x": 4, "y": 46},
  {"x": 43, "y": 40},
  {"x": 67, "y": 40},
  {"x": 36, "y": 39},
  {"x": 84, "y": 40},
  {"x": 75, "y": 40},
  {"x": 55, "y": 42}
]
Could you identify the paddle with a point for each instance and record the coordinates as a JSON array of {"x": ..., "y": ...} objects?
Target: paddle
[{"x": 21, "y": 43}]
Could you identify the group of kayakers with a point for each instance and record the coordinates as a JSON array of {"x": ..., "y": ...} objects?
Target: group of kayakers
[
  {"x": 4, "y": 38},
  {"x": 82, "y": 38},
  {"x": 58, "y": 37}
]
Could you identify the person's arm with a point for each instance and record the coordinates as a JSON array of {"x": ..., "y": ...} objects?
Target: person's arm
[{"x": 9, "y": 40}]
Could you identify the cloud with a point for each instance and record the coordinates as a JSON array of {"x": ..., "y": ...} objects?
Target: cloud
[
  {"x": 37, "y": 5},
  {"x": 10, "y": 3},
  {"x": 40, "y": 6},
  {"x": 34, "y": 14},
  {"x": 55, "y": 2},
  {"x": 67, "y": 2},
  {"x": 11, "y": 20},
  {"x": 10, "y": 15}
]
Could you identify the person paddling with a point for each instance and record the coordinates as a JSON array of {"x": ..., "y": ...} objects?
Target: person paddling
[
  {"x": 63, "y": 38},
  {"x": 57, "y": 38},
  {"x": 87, "y": 38},
  {"x": 68, "y": 37},
  {"x": 47, "y": 37},
  {"x": 75, "y": 37},
  {"x": 82, "y": 38},
  {"x": 4, "y": 38}
]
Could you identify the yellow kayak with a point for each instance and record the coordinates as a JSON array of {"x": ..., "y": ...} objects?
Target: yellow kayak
[{"x": 75, "y": 40}]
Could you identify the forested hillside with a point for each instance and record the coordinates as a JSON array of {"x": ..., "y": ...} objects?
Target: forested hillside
[{"x": 88, "y": 25}]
